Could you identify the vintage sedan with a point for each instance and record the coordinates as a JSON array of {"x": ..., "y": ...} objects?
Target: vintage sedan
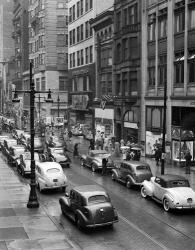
[
  {"x": 17, "y": 133},
  {"x": 23, "y": 138},
  {"x": 14, "y": 154},
  {"x": 2, "y": 138},
  {"x": 89, "y": 206},
  {"x": 50, "y": 175},
  {"x": 173, "y": 191},
  {"x": 131, "y": 173},
  {"x": 94, "y": 159},
  {"x": 59, "y": 155},
  {"x": 54, "y": 141},
  {"x": 38, "y": 144},
  {"x": 24, "y": 163},
  {"x": 7, "y": 144}
]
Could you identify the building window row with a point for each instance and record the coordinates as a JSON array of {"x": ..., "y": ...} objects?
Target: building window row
[
  {"x": 78, "y": 34},
  {"x": 39, "y": 60},
  {"x": 80, "y": 83},
  {"x": 81, "y": 57},
  {"x": 105, "y": 34},
  {"x": 79, "y": 9}
]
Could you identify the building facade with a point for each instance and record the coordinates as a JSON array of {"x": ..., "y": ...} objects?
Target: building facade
[
  {"x": 168, "y": 53},
  {"x": 48, "y": 48},
  {"x": 127, "y": 69}
]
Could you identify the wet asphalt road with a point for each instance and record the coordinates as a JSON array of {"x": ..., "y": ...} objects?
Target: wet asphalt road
[{"x": 143, "y": 224}]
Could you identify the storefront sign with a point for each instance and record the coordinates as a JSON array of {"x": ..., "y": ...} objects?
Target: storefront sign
[
  {"x": 130, "y": 125},
  {"x": 106, "y": 113}
]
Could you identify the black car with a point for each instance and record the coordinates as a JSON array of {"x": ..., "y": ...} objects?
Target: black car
[{"x": 14, "y": 154}]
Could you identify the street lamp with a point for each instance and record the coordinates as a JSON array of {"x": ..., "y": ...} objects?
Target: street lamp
[
  {"x": 164, "y": 131},
  {"x": 33, "y": 201}
]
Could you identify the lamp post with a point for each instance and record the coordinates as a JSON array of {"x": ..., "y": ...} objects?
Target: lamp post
[
  {"x": 58, "y": 100},
  {"x": 164, "y": 131},
  {"x": 33, "y": 201}
]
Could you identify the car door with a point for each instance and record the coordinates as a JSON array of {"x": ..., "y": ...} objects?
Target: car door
[
  {"x": 123, "y": 171},
  {"x": 158, "y": 188},
  {"x": 73, "y": 202},
  {"x": 89, "y": 159}
]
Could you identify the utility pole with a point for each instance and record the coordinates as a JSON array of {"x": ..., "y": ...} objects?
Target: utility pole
[{"x": 164, "y": 131}]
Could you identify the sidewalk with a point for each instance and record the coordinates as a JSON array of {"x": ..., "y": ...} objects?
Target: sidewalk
[{"x": 22, "y": 228}]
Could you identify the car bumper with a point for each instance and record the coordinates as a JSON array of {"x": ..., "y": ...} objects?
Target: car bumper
[
  {"x": 64, "y": 164},
  {"x": 54, "y": 186},
  {"x": 190, "y": 206},
  {"x": 101, "y": 224}
]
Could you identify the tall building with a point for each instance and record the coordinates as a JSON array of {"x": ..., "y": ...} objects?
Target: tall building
[
  {"x": 48, "y": 48},
  {"x": 82, "y": 58},
  {"x": 168, "y": 53},
  {"x": 127, "y": 69},
  {"x": 6, "y": 46}
]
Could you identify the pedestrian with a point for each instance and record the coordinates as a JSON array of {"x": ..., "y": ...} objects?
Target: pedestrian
[
  {"x": 188, "y": 158},
  {"x": 158, "y": 154},
  {"x": 75, "y": 151},
  {"x": 104, "y": 165}
]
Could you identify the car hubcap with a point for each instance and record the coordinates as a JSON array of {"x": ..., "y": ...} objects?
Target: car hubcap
[
  {"x": 166, "y": 205},
  {"x": 143, "y": 192},
  {"x": 128, "y": 184}
]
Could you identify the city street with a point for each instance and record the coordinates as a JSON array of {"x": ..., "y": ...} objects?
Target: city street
[{"x": 143, "y": 224}]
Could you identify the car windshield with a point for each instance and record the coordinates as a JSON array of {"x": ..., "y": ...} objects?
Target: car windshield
[
  {"x": 97, "y": 199},
  {"x": 142, "y": 167},
  {"x": 53, "y": 170},
  {"x": 178, "y": 183},
  {"x": 59, "y": 151}
]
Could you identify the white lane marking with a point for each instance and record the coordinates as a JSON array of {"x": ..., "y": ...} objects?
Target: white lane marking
[{"x": 142, "y": 232}]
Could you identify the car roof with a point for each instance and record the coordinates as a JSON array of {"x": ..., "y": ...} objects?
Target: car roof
[
  {"x": 171, "y": 177},
  {"x": 89, "y": 190},
  {"x": 99, "y": 151},
  {"x": 136, "y": 163},
  {"x": 47, "y": 165}
]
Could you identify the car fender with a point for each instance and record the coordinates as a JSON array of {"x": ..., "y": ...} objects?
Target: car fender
[
  {"x": 81, "y": 216},
  {"x": 170, "y": 198},
  {"x": 64, "y": 201},
  {"x": 149, "y": 187},
  {"x": 116, "y": 172}
]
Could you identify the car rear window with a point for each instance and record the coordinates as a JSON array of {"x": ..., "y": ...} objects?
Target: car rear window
[
  {"x": 142, "y": 167},
  {"x": 178, "y": 183},
  {"x": 53, "y": 170},
  {"x": 97, "y": 199}
]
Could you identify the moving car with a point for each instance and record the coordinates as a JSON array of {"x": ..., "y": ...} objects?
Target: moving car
[
  {"x": 94, "y": 159},
  {"x": 60, "y": 156},
  {"x": 173, "y": 191},
  {"x": 50, "y": 175},
  {"x": 131, "y": 173},
  {"x": 89, "y": 206},
  {"x": 24, "y": 163},
  {"x": 14, "y": 154}
]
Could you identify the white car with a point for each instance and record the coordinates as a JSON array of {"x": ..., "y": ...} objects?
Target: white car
[
  {"x": 173, "y": 191},
  {"x": 50, "y": 175}
]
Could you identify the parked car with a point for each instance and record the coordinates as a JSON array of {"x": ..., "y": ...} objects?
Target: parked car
[
  {"x": 23, "y": 138},
  {"x": 94, "y": 159},
  {"x": 59, "y": 155},
  {"x": 54, "y": 141},
  {"x": 17, "y": 133},
  {"x": 2, "y": 138},
  {"x": 173, "y": 191},
  {"x": 14, "y": 154},
  {"x": 131, "y": 173},
  {"x": 38, "y": 145},
  {"x": 7, "y": 144},
  {"x": 24, "y": 163},
  {"x": 89, "y": 206},
  {"x": 50, "y": 175}
]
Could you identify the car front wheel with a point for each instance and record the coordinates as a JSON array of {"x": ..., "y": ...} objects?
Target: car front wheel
[
  {"x": 78, "y": 223},
  {"x": 166, "y": 205},
  {"x": 93, "y": 168},
  {"x": 143, "y": 192},
  {"x": 128, "y": 183}
]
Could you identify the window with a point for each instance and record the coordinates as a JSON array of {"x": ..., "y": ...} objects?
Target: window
[
  {"x": 37, "y": 84},
  {"x": 41, "y": 23},
  {"x": 179, "y": 68},
  {"x": 61, "y": 21},
  {"x": 179, "y": 22},
  {"x": 109, "y": 85},
  {"x": 78, "y": 58},
  {"x": 70, "y": 60},
  {"x": 61, "y": 58},
  {"x": 78, "y": 34},
  {"x": 133, "y": 81},
  {"x": 73, "y": 12},
  {"x": 90, "y": 30},
  {"x": 62, "y": 83},
  {"x": 192, "y": 19},
  {"x": 41, "y": 41},
  {"x": 73, "y": 36},
  {"x": 132, "y": 14},
  {"x": 118, "y": 53},
  {"x": 78, "y": 9},
  {"x": 66, "y": 17},
  {"x": 125, "y": 84},
  {"x": 43, "y": 83},
  {"x": 70, "y": 14},
  {"x": 86, "y": 55},
  {"x": 91, "y": 54},
  {"x": 73, "y": 59},
  {"x": 162, "y": 27},
  {"x": 67, "y": 58},
  {"x": 90, "y": 4},
  {"x": 87, "y": 29},
  {"x": 134, "y": 51},
  {"x": 81, "y": 7},
  {"x": 191, "y": 67},
  {"x": 118, "y": 85},
  {"x": 125, "y": 17},
  {"x": 61, "y": 40},
  {"x": 82, "y": 59},
  {"x": 125, "y": 49},
  {"x": 81, "y": 30},
  {"x": 70, "y": 37},
  {"x": 118, "y": 21},
  {"x": 103, "y": 85},
  {"x": 151, "y": 30},
  {"x": 86, "y": 5},
  {"x": 41, "y": 59},
  {"x": 106, "y": 57},
  {"x": 60, "y": 5},
  {"x": 151, "y": 72},
  {"x": 162, "y": 70},
  {"x": 66, "y": 39}
]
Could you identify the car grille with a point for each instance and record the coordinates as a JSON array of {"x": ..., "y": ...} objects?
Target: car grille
[
  {"x": 55, "y": 180},
  {"x": 189, "y": 200}
]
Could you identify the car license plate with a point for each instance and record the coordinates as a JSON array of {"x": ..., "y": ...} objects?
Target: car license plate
[
  {"x": 55, "y": 180},
  {"x": 189, "y": 200}
]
